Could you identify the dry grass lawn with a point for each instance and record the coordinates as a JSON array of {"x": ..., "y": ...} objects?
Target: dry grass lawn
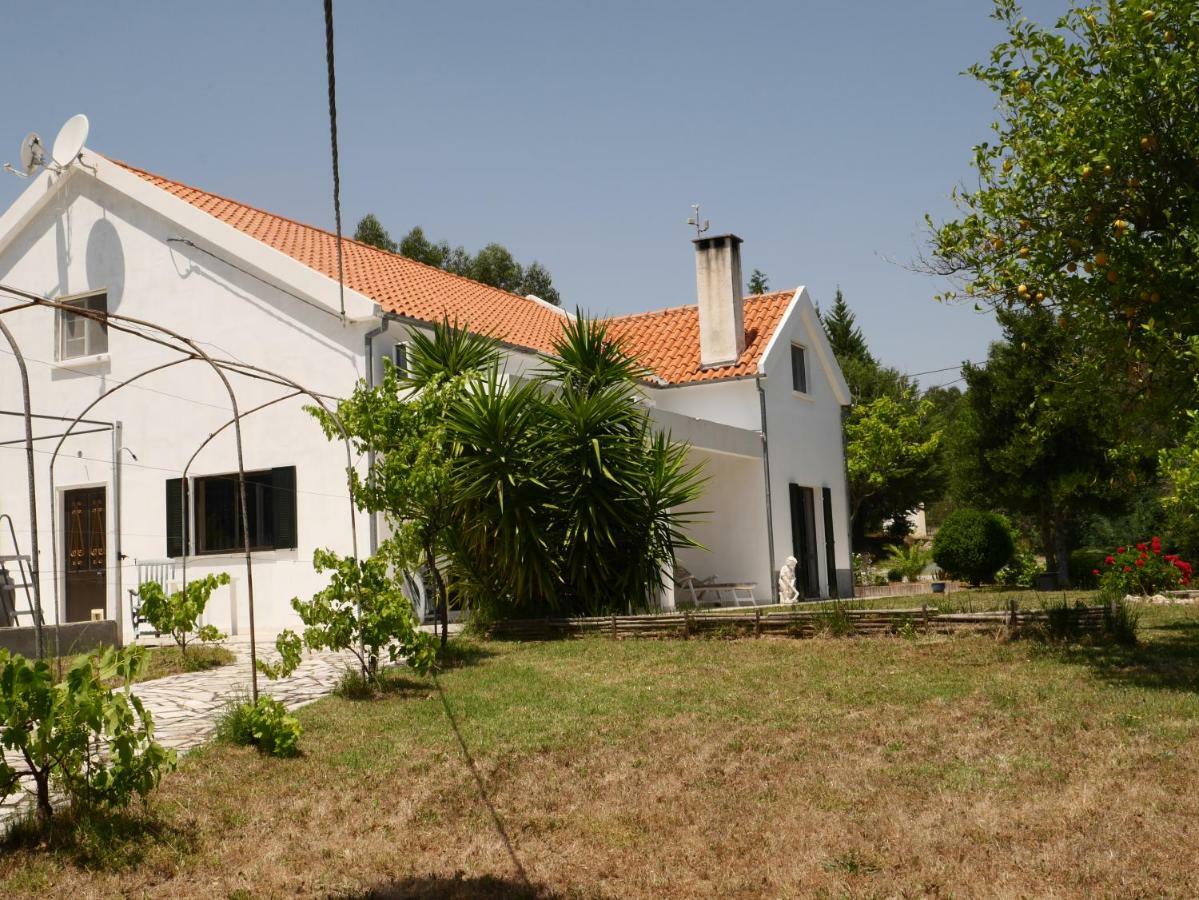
[{"x": 959, "y": 766}]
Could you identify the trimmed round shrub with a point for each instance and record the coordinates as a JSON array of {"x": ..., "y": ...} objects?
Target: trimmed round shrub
[
  {"x": 1084, "y": 563},
  {"x": 973, "y": 545}
]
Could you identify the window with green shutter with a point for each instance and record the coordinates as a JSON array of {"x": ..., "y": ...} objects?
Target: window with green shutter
[{"x": 218, "y": 525}]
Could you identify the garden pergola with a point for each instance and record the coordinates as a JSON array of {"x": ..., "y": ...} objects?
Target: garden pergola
[{"x": 189, "y": 351}]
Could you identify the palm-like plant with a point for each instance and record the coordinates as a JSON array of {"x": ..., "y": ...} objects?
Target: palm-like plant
[{"x": 910, "y": 559}]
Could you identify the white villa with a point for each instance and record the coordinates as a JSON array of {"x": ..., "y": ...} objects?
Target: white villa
[{"x": 749, "y": 382}]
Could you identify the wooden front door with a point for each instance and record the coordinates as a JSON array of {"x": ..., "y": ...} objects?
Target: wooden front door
[{"x": 86, "y": 551}]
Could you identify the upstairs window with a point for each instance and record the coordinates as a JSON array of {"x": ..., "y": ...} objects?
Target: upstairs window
[
  {"x": 400, "y": 358},
  {"x": 799, "y": 368},
  {"x": 80, "y": 335}
]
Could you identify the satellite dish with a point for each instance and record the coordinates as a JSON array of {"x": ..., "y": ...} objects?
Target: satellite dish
[
  {"x": 70, "y": 140},
  {"x": 32, "y": 153}
]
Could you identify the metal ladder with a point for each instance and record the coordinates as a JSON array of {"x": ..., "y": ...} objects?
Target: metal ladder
[{"x": 25, "y": 570}]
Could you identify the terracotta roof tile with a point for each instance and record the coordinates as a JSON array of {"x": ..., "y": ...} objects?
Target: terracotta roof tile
[{"x": 666, "y": 341}]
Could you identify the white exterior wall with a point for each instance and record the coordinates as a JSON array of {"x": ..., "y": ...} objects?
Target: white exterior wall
[
  {"x": 805, "y": 438},
  {"x": 90, "y": 238}
]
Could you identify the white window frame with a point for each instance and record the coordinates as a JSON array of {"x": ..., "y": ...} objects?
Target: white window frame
[{"x": 93, "y": 331}]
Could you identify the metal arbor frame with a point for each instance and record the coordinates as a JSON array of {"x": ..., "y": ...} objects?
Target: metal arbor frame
[{"x": 190, "y": 352}]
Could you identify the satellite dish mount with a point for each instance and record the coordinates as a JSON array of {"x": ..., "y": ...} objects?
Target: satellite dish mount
[{"x": 67, "y": 147}]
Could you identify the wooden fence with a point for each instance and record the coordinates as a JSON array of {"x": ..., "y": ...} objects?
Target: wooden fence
[{"x": 837, "y": 620}]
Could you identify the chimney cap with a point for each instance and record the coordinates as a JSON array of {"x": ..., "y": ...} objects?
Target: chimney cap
[{"x": 705, "y": 240}]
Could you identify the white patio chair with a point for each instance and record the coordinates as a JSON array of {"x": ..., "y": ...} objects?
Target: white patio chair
[{"x": 158, "y": 571}]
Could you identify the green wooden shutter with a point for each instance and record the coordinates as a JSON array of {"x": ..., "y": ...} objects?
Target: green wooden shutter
[
  {"x": 830, "y": 543},
  {"x": 176, "y": 525},
  {"x": 283, "y": 496}
]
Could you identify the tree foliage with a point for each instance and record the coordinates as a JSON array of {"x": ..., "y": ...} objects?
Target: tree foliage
[
  {"x": 1087, "y": 202},
  {"x": 371, "y": 231},
  {"x": 1028, "y": 442},
  {"x": 891, "y": 456},
  {"x": 494, "y": 264},
  {"x": 892, "y": 436},
  {"x": 94, "y": 743},
  {"x": 759, "y": 283}
]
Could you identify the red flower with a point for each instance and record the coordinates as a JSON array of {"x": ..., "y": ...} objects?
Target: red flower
[
  {"x": 1111, "y": 560},
  {"x": 1156, "y": 544},
  {"x": 1119, "y": 549},
  {"x": 1128, "y": 568},
  {"x": 1141, "y": 546},
  {"x": 1141, "y": 562},
  {"x": 1094, "y": 571}
]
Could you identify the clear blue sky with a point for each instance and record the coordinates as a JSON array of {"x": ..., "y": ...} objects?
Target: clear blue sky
[{"x": 576, "y": 134}]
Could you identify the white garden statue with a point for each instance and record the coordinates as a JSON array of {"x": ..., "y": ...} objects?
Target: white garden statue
[{"x": 787, "y": 590}]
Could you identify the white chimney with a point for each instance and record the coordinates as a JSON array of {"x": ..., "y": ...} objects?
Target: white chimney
[{"x": 721, "y": 309}]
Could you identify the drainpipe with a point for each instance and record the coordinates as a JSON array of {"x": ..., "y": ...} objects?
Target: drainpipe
[
  {"x": 384, "y": 318},
  {"x": 118, "y": 556},
  {"x": 848, "y": 502},
  {"x": 774, "y": 586}
]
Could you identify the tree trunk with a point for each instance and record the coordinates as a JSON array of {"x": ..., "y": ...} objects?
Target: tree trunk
[
  {"x": 1060, "y": 549},
  {"x": 443, "y": 603},
  {"x": 44, "y": 809}
]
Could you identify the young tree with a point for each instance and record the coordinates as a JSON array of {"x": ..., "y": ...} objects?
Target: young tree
[
  {"x": 371, "y": 231},
  {"x": 362, "y": 610},
  {"x": 403, "y": 420},
  {"x": 178, "y": 614},
  {"x": 759, "y": 283},
  {"x": 95, "y": 743},
  {"x": 1087, "y": 199}
]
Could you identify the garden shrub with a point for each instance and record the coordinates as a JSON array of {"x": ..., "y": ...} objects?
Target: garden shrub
[
  {"x": 179, "y": 614},
  {"x": 266, "y": 725},
  {"x": 973, "y": 544},
  {"x": 1086, "y": 565},
  {"x": 894, "y": 575},
  {"x": 1021, "y": 571},
  {"x": 1143, "y": 570},
  {"x": 1122, "y": 621},
  {"x": 92, "y": 742}
]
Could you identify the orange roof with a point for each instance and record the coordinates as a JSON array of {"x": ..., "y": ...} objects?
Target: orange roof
[{"x": 666, "y": 341}]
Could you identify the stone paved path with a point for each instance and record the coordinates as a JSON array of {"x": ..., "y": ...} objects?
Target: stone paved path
[{"x": 185, "y": 707}]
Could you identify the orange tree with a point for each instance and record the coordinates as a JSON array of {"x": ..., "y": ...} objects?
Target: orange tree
[{"x": 1087, "y": 199}]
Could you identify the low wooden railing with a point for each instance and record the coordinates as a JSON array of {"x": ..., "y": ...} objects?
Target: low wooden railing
[{"x": 796, "y": 623}]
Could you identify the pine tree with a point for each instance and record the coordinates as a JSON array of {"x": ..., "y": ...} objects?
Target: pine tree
[{"x": 840, "y": 324}]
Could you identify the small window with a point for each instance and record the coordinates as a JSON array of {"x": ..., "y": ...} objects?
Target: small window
[
  {"x": 80, "y": 335},
  {"x": 270, "y": 511},
  {"x": 799, "y": 368},
  {"x": 400, "y": 358}
]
